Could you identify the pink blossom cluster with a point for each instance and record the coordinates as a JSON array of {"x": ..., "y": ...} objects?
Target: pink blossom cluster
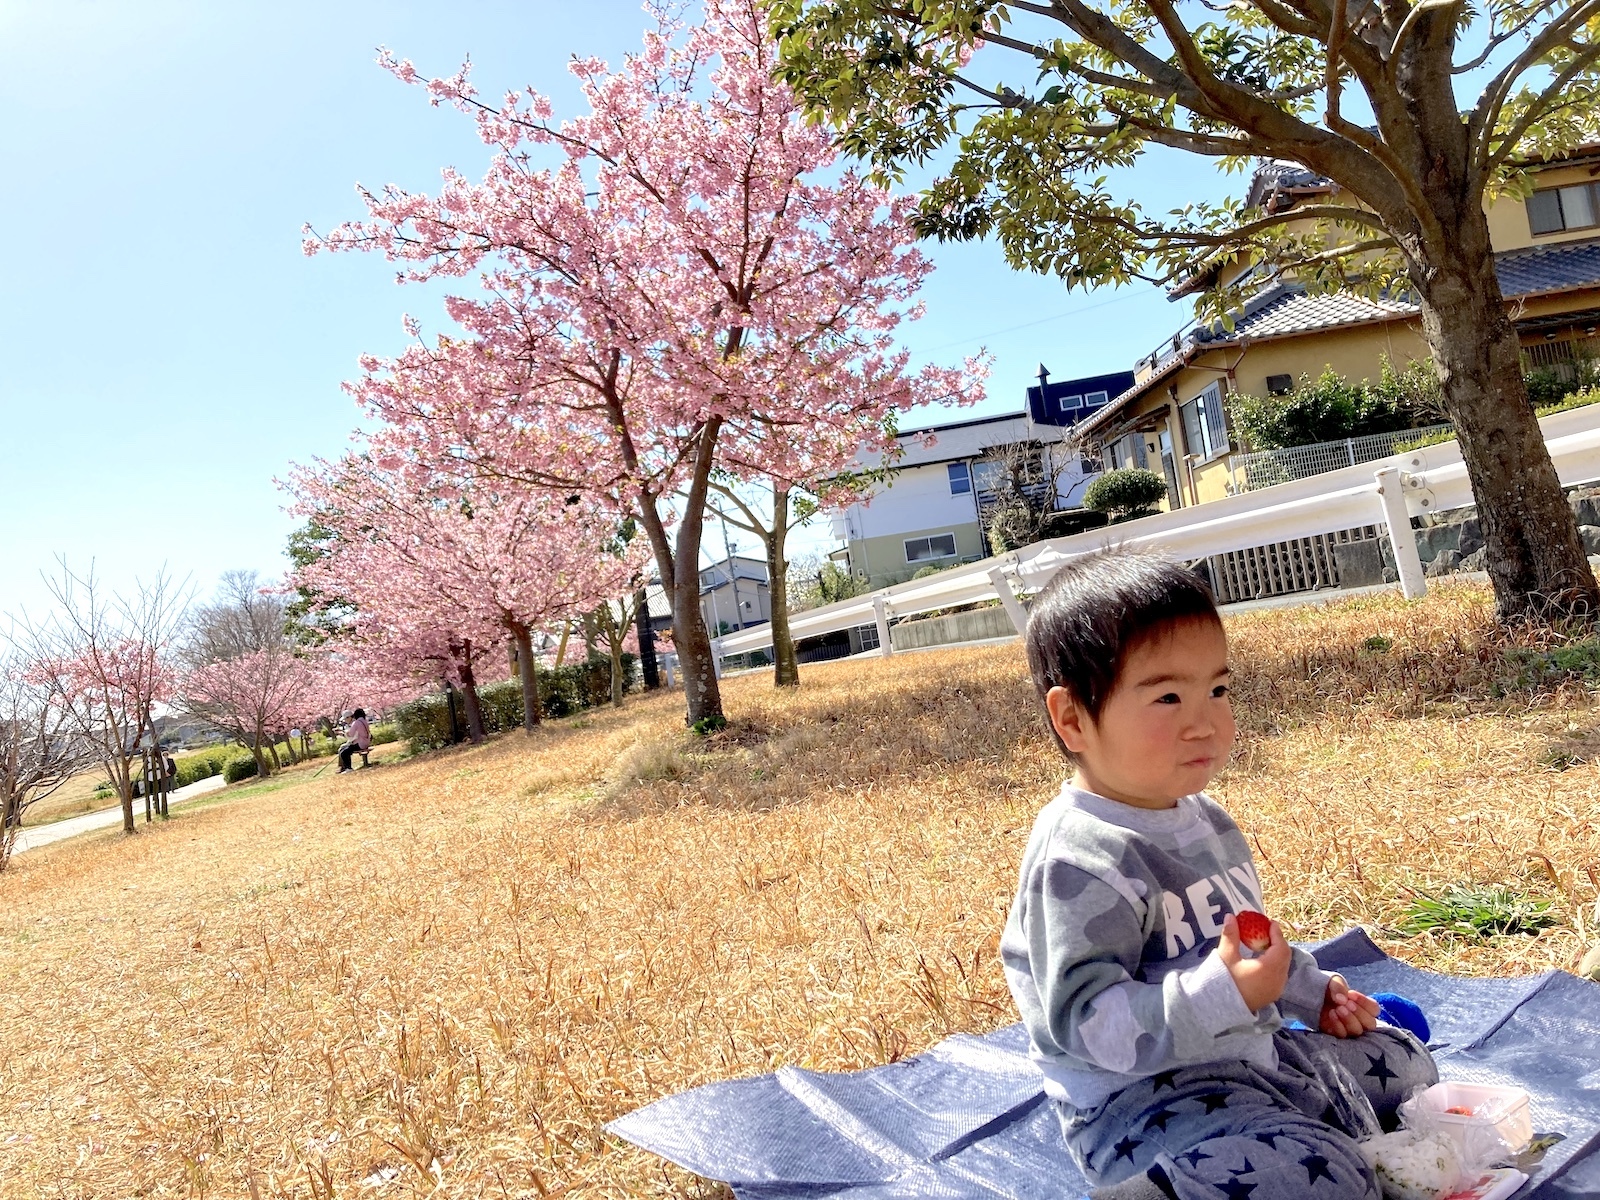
[{"x": 442, "y": 576}]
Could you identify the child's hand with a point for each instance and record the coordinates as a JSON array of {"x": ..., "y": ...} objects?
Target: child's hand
[
  {"x": 1261, "y": 979},
  {"x": 1347, "y": 1013}
]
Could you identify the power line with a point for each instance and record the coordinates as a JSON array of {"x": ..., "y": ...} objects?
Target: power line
[{"x": 978, "y": 337}]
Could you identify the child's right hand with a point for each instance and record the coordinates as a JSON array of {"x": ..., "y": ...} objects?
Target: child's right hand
[{"x": 1261, "y": 979}]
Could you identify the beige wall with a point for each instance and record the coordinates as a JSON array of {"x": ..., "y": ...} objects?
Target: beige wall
[
  {"x": 883, "y": 559},
  {"x": 1508, "y": 217}
]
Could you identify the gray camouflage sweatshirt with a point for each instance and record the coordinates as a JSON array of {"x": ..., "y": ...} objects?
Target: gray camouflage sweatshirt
[{"x": 1108, "y": 946}]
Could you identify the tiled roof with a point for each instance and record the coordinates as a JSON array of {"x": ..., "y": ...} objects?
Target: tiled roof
[
  {"x": 1283, "y": 309},
  {"x": 1555, "y": 268}
]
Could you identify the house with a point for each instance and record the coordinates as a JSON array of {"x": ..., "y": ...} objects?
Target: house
[
  {"x": 929, "y": 513},
  {"x": 734, "y": 594},
  {"x": 1173, "y": 419}
]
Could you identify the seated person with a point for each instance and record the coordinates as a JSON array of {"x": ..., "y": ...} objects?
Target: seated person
[
  {"x": 1162, "y": 1040},
  {"x": 360, "y": 740}
]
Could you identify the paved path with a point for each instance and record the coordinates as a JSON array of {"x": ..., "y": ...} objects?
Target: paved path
[{"x": 43, "y": 835}]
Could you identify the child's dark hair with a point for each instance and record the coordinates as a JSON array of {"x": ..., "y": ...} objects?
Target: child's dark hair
[{"x": 1095, "y": 610}]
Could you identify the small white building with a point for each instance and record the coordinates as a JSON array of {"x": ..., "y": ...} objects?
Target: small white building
[
  {"x": 735, "y": 594},
  {"x": 930, "y": 512}
]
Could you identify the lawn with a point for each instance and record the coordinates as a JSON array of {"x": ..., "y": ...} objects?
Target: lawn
[{"x": 440, "y": 977}]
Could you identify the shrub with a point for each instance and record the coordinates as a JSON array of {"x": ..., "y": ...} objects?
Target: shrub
[
  {"x": 239, "y": 768},
  {"x": 1581, "y": 398},
  {"x": 1073, "y": 520},
  {"x": 1324, "y": 409},
  {"x": 1437, "y": 438},
  {"x": 203, "y": 764},
  {"x": 425, "y": 722},
  {"x": 1126, "y": 493},
  {"x": 382, "y": 735}
]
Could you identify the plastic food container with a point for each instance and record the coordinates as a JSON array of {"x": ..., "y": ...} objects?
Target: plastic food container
[{"x": 1502, "y": 1109}]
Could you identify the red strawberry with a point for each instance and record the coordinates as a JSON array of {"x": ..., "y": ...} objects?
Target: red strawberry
[{"x": 1255, "y": 931}]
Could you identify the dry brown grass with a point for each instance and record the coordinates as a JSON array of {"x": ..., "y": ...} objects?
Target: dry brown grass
[
  {"x": 75, "y": 797},
  {"x": 448, "y": 973}
]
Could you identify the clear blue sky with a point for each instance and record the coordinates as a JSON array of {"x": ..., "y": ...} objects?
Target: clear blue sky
[{"x": 169, "y": 350}]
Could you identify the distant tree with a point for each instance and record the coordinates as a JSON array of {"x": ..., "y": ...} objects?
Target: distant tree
[
  {"x": 41, "y": 746},
  {"x": 106, "y": 659},
  {"x": 254, "y": 697},
  {"x": 1045, "y": 109}
]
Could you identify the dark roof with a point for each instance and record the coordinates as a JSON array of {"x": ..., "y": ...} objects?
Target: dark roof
[
  {"x": 1050, "y": 410},
  {"x": 1559, "y": 268}
]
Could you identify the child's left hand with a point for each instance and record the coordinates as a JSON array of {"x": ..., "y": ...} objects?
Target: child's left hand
[{"x": 1347, "y": 1013}]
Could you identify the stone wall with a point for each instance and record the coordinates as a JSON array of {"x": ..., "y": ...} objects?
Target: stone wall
[{"x": 972, "y": 626}]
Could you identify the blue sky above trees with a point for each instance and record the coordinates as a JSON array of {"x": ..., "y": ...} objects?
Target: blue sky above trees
[{"x": 169, "y": 348}]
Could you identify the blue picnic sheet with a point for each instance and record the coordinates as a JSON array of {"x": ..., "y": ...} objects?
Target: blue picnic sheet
[{"x": 967, "y": 1119}]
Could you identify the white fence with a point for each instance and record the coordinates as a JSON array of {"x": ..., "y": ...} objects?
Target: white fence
[
  {"x": 1266, "y": 468},
  {"x": 1386, "y": 493}
]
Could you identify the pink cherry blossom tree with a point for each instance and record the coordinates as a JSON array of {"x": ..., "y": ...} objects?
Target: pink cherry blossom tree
[
  {"x": 423, "y": 556},
  {"x": 679, "y": 280},
  {"x": 253, "y": 697},
  {"x": 105, "y": 659}
]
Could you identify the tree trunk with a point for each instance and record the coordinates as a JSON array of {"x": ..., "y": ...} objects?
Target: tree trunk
[
  {"x": 1535, "y": 559},
  {"x": 262, "y": 770},
  {"x": 785, "y": 665},
  {"x": 614, "y": 634},
  {"x": 530, "y": 681},
  {"x": 124, "y": 781},
  {"x": 469, "y": 700},
  {"x": 272, "y": 748}
]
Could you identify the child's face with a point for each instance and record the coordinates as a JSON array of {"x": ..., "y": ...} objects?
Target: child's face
[{"x": 1167, "y": 726}]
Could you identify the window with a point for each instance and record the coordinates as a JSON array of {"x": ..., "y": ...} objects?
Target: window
[
  {"x": 1071, "y": 403},
  {"x": 986, "y": 473},
  {"x": 1280, "y": 385},
  {"x": 960, "y": 479},
  {"x": 1557, "y": 209},
  {"x": 938, "y": 545},
  {"x": 1205, "y": 430},
  {"x": 1095, "y": 399}
]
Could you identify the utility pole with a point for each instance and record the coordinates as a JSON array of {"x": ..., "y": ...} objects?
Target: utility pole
[{"x": 733, "y": 576}]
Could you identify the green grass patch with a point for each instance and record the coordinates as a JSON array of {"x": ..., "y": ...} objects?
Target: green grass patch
[
  {"x": 1575, "y": 660},
  {"x": 1476, "y": 910}
]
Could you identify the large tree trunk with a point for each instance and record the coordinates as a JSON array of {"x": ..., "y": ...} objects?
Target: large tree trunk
[
  {"x": 785, "y": 665},
  {"x": 680, "y": 577},
  {"x": 469, "y": 699},
  {"x": 530, "y": 682},
  {"x": 1535, "y": 559}
]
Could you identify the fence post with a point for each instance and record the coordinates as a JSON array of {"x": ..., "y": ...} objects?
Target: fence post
[
  {"x": 1008, "y": 597},
  {"x": 716, "y": 657},
  {"x": 1408, "y": 564},
  {"x": 880, "y": 610},
  {"x": 1350, "y": 449}
]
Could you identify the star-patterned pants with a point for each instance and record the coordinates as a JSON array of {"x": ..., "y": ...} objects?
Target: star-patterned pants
[{"x": 1233, "y": 1131}]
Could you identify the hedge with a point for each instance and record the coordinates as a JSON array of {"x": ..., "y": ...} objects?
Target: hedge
[{"x": 425, "y": 723}]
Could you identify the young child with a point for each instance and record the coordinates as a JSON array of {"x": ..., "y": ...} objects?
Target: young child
[{"x": 1162, "y": 1041}]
